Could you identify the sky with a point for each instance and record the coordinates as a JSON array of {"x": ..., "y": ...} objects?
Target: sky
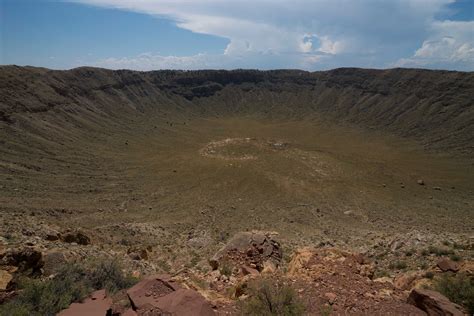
[{"x": 228, "y": 34}]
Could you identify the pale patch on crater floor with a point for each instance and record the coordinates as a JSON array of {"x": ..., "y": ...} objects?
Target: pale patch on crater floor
[{"x": 240, "y": 148}]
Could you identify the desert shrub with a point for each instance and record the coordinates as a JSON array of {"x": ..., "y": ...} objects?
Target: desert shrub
[
  {"x": 72, "y": 283},
  {"x": 460, "y": 246},
  {"x": 226, "y": 269},
  {"x": 380, "y": 273},
  {"x": 399, "y": 265},
  {"x": 455, "y": 257},
  {"x": 267, "y": 297},
  {"x": 459, "y": 288},
  {"x": 326, "y": 310},
  {"x": 108, "y": 275},
  {"x": 163, "y": 264},
  {"x": 439, "y": 251},
  {"x": 48, "y": 297}
]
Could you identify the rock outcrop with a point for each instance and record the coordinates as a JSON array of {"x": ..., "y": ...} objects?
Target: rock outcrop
[
  {"x": 341, "y": 281},
  {"x": 77, "y": 237},
  {"x": 26, "y": 258},
  {"x": 447, "y": 265},
  {"x": 161, "y": 295},
  {"x": 433, "y": 303},
  {"x": 252, "y": 249}
]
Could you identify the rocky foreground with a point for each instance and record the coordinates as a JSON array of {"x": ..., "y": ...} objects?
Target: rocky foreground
[{"x": 323, "y": 280}]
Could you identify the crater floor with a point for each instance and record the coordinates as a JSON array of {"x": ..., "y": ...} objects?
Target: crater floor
[{"x": 310, "y": 181}]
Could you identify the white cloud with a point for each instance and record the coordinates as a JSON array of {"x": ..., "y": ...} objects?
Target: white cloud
[
  {"x": 313, "y": 34},
  {"x": 451, "y": 43}
]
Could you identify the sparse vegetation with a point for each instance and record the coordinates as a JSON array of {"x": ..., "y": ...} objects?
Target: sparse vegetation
[
  {"x": 381, "y": 274},
  {"x": 459, "y": 288},
  {"x": 460, "y": 246},
  {"x": 424, "y": 266},
  {"x": 326, "y": 310},
  {"x": 225, "y": 269},
  {"x": 398, "y": 265},
  {"x": 72, "y": 283},
  {"x": 108, "y": 275},
  {"x": 439, "y": 251},
  {"x": 269, "y": 297},
  {"x": 163, "y": 264},
  {"x": 455, "y": 257},
  {"x": 50, "y": 296}
]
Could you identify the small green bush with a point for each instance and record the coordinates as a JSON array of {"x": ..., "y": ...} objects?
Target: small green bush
[
  {"x": 226, "y": 269},
  {"x": 268, "y": 297},
  {"x": 108, "y": 275},
  {"x": 460, "y": 246},
  {"x": 439, "y": 251},
  {"x": 399, "y": 265},
  {"x": 455, "y": 257},
  {"x": 48, "y": 297},
  {"x": 381, "y": 273},
  {"x": 72, "y": 283},
  {"x": 459, "y": 288}
]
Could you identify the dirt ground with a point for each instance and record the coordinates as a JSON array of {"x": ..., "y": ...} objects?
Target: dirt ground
[{"x": 311, "y": 181}]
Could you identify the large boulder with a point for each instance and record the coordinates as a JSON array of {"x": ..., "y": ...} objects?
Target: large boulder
[
  {"x": 98, "y": 304},
  {"x": 184, "y": 302},
  {"x": 446, "y": 264},
  {"x": 53, "y": 261},
  {"x": 433, "y": 303},
  {"x": 158, "y": 295},
  {"x": 77, "y": 237},
  {"x": 24, "y": 258},
  {"x": 249, "y": 248}
]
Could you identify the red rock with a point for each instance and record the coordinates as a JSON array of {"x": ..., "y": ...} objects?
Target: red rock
[
  {"x": 447, "y": 265},
  {"x": 129, "y": 312},
  {"x": 96, "y": 305},
  {"x": 150, "y": 289},
  {"x": 185, "y": 302},
  {"x": 159, "y": 294},
  {"x": 433, "y": 303}
]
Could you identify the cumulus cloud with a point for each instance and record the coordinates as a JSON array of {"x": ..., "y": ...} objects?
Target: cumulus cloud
[
  {"x": 310, "y": 34},
  {"x": 451, "y": 43}
]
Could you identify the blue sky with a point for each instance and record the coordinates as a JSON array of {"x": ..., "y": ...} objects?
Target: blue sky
[{"x": 263, "y": 34}]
